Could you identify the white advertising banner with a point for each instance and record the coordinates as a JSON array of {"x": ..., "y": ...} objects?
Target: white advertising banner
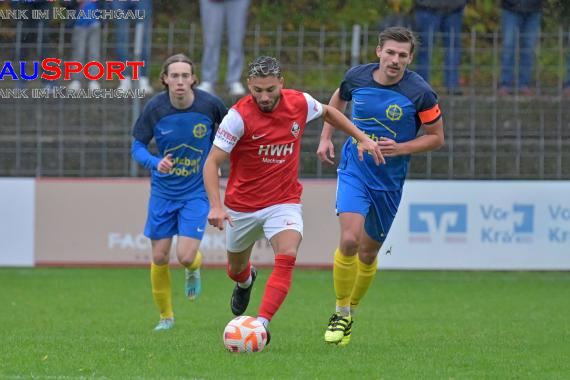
[
  {"x": 471, "y": 225},
  {"x": 17, "y": 197},
  {"x": 496, "y": 225},
  {"x": 100, "y": 222}
]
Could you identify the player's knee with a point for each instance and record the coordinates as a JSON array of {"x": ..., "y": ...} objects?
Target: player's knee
[
  {"x": 159, "y": 258},
  {"x": 186, "y": 262},
  {"x": 187, "y": 259},
  {"x": 367, "y": 257},
  {"x": 235, "y": 268},
  {"x": 349, "y": 243}
]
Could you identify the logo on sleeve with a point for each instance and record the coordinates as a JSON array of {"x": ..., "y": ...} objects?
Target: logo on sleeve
[
  {"x": 226, "y": 137},
  {"x": 315, "y": 107},
  {"x": 295, "y": 129}
]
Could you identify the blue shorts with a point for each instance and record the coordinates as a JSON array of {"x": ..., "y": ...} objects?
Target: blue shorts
[
  {"x": 377, "y": 206},
  {"x": 167, "y": 218}
]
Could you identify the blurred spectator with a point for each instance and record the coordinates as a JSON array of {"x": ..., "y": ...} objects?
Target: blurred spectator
[
  {"x": 396, "y": 17},
  {"x": 122, "y": 33},
  {"x": 519, "y": 19},
  {"x": 214, "y": 13},
  {"x": 34, "y": 35},
  {"x": 86, "y": 35},
  {"x": 446, "y": 17}
]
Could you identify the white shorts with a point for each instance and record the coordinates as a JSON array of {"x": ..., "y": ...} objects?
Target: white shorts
[{"x": 251, "y": 226}]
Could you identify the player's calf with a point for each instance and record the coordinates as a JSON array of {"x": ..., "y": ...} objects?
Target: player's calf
[{"x": 240, "y": 296}]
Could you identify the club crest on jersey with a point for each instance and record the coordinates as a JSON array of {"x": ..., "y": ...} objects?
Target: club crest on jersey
[
  {"x": 295, "y": 129},
  {"x": 200, "y": 130},
  {"x": 394, "y": 112}
]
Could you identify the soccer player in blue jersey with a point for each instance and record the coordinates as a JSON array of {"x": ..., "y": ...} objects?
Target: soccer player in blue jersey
[
  {"x": 391, "y": 104},
  {"x": 182, "y": 121}
]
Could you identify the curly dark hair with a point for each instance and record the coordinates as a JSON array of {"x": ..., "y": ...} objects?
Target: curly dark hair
[{"x": 264, "y": 66}]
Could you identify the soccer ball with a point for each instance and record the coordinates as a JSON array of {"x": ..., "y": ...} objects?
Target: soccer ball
[{"x": 245, "y": 334}]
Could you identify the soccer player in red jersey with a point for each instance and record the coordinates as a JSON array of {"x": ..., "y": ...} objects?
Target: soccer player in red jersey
[{"x": 261, "y": 135}]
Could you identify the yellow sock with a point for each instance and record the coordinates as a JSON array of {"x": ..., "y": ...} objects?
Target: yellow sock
[
  {"x": 364, "y": 277},
  {"x": 161, "y": 289},
  {"x": 344, "y": 273},
  {"x": 197, "y": 263}
]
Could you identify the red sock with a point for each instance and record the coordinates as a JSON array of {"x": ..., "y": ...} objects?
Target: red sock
[
  {"x": 242, "y": 276},
  {"x": 277, "y": 286}
]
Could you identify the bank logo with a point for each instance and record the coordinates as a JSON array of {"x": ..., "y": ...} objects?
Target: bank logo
[
  {"x": 559, "y": 224},
  {"x": 438, "y": 222},
  {"x": 524, "y": 219},
  {"x": 505, "y": 225}
]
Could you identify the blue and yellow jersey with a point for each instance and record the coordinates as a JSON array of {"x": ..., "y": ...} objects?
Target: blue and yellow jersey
[
  {"x": 185, "y": 134},
  {"x": 395, "y": 112}
]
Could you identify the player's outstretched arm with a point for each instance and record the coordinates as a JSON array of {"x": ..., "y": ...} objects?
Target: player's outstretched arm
[
  {"x": 365, "y": 143},
  {"x": 325, "y": 151},
  {"x": 432, "y": 139},
  {"x": 217, "y": 215}
]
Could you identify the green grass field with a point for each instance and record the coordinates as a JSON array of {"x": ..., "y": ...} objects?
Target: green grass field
[{"x": 97, "y": 323}]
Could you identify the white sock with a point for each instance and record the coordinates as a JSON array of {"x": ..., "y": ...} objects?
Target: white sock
[
  {"x": 344, "y": 310},
  {"x": 264, "y": 321},
  {"x": 246, "y": 284}
]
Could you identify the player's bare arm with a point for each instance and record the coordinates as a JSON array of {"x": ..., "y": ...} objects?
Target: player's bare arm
[
  {"x": 432, "y": 139},
  {"x": 326, "y": 145},
  {"x": 217, "y": 215},
  {"x": 365, "y": 144}
]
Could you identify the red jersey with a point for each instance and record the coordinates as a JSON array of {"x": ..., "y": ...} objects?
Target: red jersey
[{"x": 265, "y": 150}]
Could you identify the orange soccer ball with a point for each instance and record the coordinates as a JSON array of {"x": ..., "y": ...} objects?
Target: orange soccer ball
[{"x": 245, "y": 334}]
